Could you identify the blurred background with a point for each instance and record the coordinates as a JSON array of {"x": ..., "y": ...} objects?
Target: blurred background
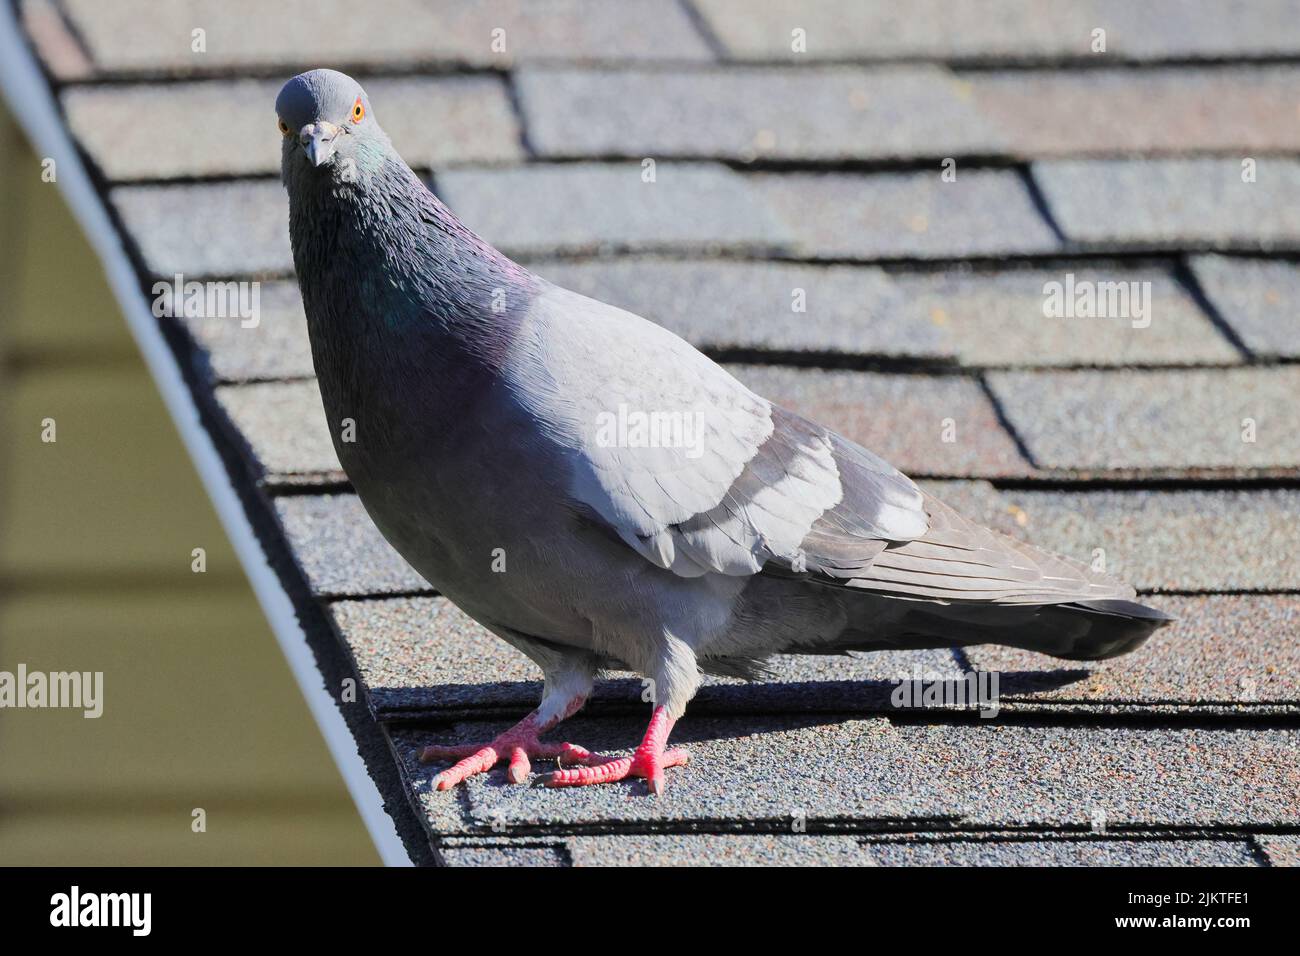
[{"x": 96, "y": 535}]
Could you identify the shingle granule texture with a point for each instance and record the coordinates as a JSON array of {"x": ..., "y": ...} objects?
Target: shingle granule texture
[
  {"x": 986, "y": 773},
  {"x": 1084, "y": 852},
  {"x": 339, "y": 549},
  {"x": 1163, "y": 204},
  {"x": 1233, "y": 420},
  {"x": 590, "y": 207},
  {"x": 1257, "y": 298},
  {"x": 1236, "y": 649}
]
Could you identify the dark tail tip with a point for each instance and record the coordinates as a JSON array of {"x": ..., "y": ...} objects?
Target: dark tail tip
[{"x": 1116, "y": 627}]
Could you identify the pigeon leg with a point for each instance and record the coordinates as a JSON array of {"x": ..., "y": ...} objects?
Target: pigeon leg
[
  {"x": 649, "y": 761},
  {"x": 515, "y": 745}
]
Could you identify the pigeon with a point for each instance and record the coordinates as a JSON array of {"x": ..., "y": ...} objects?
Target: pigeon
[{"x": 602, "y": 496}]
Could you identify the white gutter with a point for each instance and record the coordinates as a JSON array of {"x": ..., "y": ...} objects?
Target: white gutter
[{"x": 33, "y": 106}]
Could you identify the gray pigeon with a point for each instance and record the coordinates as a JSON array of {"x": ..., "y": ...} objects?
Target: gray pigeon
[{"x": 601, "y": 495}]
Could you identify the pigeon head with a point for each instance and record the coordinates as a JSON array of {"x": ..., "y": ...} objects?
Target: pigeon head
[{"x": 325, "y": 119}]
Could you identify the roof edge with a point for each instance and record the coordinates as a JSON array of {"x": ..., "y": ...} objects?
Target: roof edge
[{"x": 34, "y": 108}]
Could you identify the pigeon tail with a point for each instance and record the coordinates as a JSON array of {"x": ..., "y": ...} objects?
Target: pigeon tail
[
  {"x": 1114, "y": 628},
  {"x": 1082, "y": 630}
]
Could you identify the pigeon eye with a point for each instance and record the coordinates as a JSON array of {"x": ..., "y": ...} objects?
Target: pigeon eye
[
  {"x": 358, "y": 110},
  {"x": 284, "y": 127}
]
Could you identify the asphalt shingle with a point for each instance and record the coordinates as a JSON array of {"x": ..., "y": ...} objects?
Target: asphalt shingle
[
  {"x": 760, "y": 306},
  {"x": 1174, "y": 203},
  {"x": 1058, "y": 852},
  {"x": 870, "y": 771},
  {"x": 1194, "y": 540},
  {"x": 589, "y": 207},
  {"x": 274, "y": 346},
  {"x": 140, "y": 36},
  {"x": 284, "y": 426},
  {"x": 1256, "y": 297},
  {"x": 744, "y": 114},
  {"x": 208, "y": 229},
  {"x": 513, "y": 853},
  {"x": 1281, "y": 850},
  {"x": 1017, "y": 30},
  {"x": 339, "y": 549},
  {"x": 1234, "y": 420},
  {"x": 908, "y": 215},
  {"x": 222, "y": 128},
  {"x": 1002, "y": 318},
  {"x": 1234, "y": 110},
  {"x": 1242, "y": 651},
  {"x": 423, "y": 655},
  {"x": 692, "y": 849},
  {"x": 937, "y": 426},
  {"x": 816, "y": 849},
  {"x": 977, "y": 318}
]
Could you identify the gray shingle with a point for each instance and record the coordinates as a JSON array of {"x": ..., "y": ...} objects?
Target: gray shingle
[
  {"x": 210, "y": 229},
  {"x": 504, "y": 854},
  {"x": 1174, "y": 203},
  {"x": 1085, "y": 852},
  {"x": 720, "y": 305},
  {"x": 1281, "y": 850},
  {"x": 743, "y": 114},
  {"x": 816, "y": 849},
  {"x": 903, "y": 418},
  {"x": 276, "y": 347},
  {"x": 424, "y": 655},
  {"x": 339, "y": 549},
  {"x": 700, "y": 849},
  {"x": 1021, "y": 30},
  {"x": 587, "y": 207},
  {"x": 770, "y": 771},
  {"x": 224, "y": 128},
  {"x": 1237, "y": 650},
  {"x": 1234, "y": 540},
  {"x": 1230, "y": 110},
  {"x": 998, "y": 319},
  {"x": 138, "y": 35},
  {"x": 908, "y": 215},
  {"x": 1157, "y": 420},
  {"x": 1256, "y": 297},
  {"x": 286, "y": 431}
]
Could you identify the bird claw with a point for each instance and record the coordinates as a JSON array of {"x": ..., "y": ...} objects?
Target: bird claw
[
  {"x": 516, "y": 745},
  {"x": 602, "y": 769},
  {"x": 482, "y": 758}
]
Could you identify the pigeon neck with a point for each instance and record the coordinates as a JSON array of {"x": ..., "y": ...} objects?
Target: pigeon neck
[{"x": 383, "y": 259}]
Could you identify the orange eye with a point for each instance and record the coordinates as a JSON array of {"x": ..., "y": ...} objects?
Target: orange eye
[
  {"x": 284, "y": 128},
  {"x": 358, "y": 111}
]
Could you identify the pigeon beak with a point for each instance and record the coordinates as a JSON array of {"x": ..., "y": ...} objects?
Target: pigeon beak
[{"x": 318, "y": 141}]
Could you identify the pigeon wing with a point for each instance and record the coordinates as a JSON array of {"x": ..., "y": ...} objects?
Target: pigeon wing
[{"x": 689, "y": 467}]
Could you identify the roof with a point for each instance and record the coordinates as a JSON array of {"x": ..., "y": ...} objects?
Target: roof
[{"x": 1170, "y": 450}]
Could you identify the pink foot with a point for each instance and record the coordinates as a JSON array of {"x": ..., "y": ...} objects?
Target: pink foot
[
  {"x": 649, "y": 761},
  {"x": 516, "y": 744}
]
